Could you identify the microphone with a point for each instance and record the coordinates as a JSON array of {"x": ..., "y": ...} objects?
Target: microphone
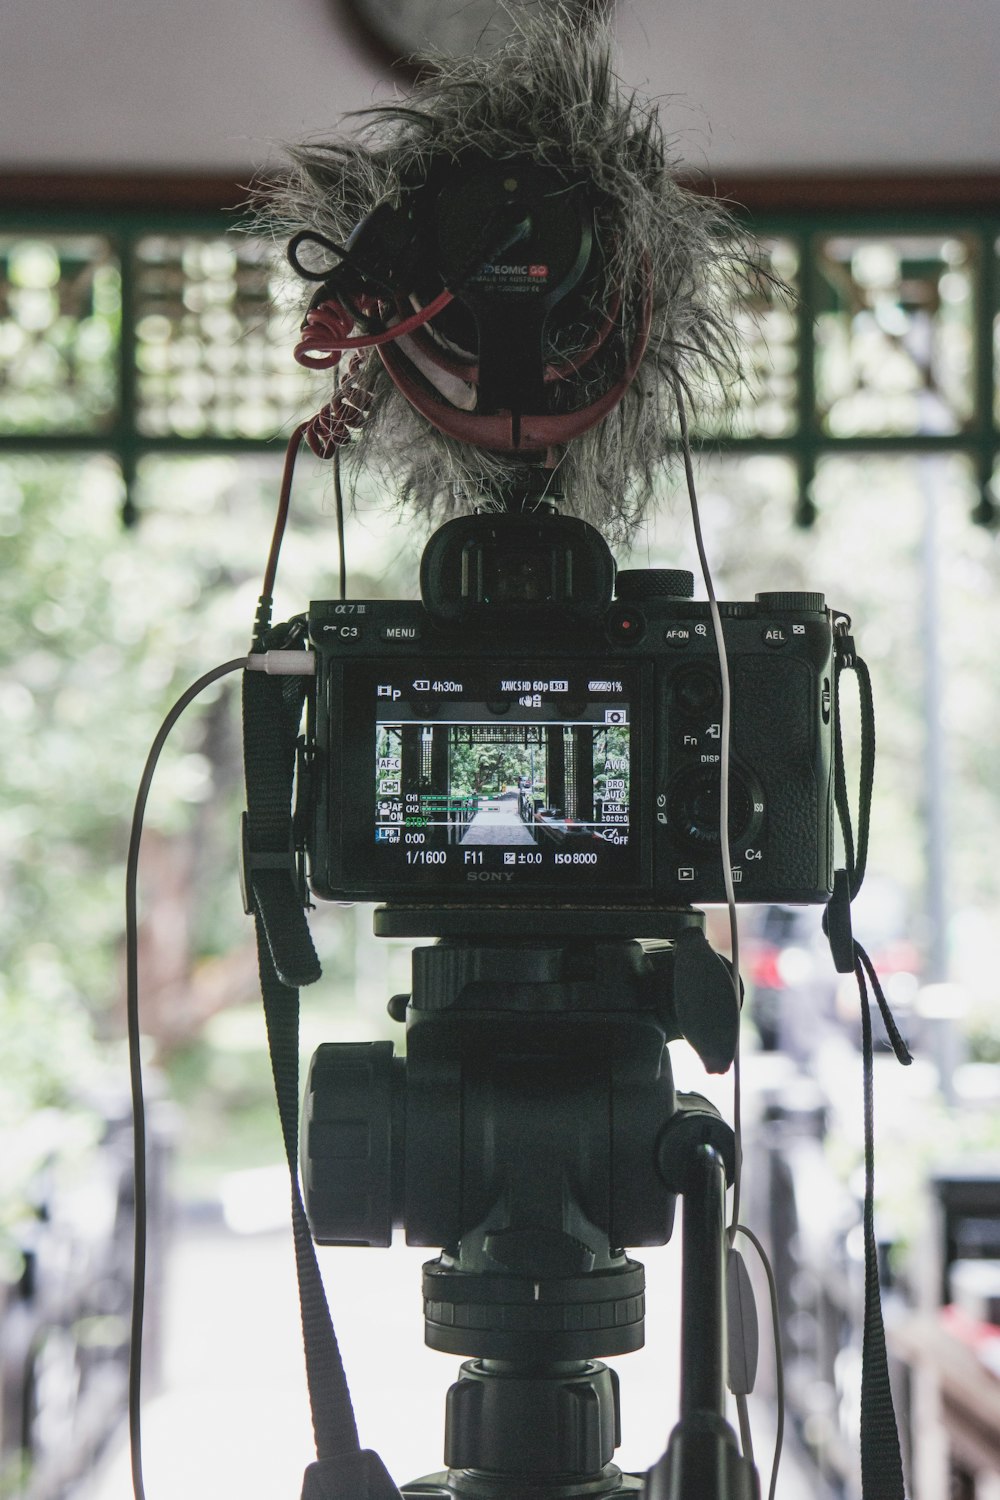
[{"x": 522, "y": 281}]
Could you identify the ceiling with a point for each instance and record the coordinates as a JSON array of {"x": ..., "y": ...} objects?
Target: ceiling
[{"x": 781, "y": 86}]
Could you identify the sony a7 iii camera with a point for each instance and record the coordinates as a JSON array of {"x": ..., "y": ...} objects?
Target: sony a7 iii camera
[{"x": 536, "y": 730}]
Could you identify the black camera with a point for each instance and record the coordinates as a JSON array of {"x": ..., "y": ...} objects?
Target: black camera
[{"x": 536, "y": 731}]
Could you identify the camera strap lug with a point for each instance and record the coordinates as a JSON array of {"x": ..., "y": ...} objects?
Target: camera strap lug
[
  {"x": 843, "y": 642},
  {"x": 271, "y": 875},
  {"x": 251, "y": 861},
  {"x": 837, "y": 924}
]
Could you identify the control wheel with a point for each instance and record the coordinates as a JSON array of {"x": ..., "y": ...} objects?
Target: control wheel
[{"x": 693, "y": 807}]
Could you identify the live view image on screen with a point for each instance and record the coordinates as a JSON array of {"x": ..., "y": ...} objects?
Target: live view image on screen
[{"x": 534, "y": 767}]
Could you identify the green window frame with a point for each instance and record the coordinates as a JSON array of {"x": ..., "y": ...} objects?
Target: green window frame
[
  {"x": 823, "y": 241},
  {"x": 151, "y": 396},
  {"x": 195, "y": 334}
]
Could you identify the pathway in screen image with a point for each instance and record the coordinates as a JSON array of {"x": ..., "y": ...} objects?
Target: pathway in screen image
[{"x": 497, "y": 822}]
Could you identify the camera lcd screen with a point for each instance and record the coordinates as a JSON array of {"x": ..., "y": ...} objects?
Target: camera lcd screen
[{"x": 518, "y": 776}]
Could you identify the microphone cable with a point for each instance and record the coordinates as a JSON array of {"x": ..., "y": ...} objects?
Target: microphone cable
[
  {"x": 735, "y": 1227},
  {"x": 266, "y": 662}
]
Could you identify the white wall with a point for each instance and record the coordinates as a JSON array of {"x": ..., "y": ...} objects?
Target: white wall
[{"x": 758, "y": 85}]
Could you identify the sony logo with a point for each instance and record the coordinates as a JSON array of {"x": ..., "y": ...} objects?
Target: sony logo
[{"x": 488, "y": 875}]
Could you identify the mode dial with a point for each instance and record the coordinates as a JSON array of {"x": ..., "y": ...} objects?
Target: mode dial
[{"x": 654, "y": 583}]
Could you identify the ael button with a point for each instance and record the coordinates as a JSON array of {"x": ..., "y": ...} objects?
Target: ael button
[{"x": 625, "y": 625}]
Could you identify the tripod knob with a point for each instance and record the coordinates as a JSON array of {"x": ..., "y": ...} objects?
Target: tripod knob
[
  {"x": 533, "y": 1420},
  {"x": 351, "y": 1133}
]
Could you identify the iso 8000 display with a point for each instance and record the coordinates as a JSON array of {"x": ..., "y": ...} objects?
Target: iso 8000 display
[{"x": 499, "y": 772}]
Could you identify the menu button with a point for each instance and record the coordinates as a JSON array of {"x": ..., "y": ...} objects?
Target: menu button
[{"x": 400, "y": 632}]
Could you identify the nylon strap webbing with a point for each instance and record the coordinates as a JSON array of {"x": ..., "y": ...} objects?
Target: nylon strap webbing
[
  {"x": 272, "y": 710},
  {"x": 881, "y": 1461}
]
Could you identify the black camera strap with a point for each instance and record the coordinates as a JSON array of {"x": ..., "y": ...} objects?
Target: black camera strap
[
  {"x": 881, "y": 1461},
  {"x": 272, "y": 711}
]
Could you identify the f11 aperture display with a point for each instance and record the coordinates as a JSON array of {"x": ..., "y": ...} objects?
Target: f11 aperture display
[{"x": 507, "y": 771}]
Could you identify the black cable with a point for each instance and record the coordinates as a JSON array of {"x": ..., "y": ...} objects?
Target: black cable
[
  {"x": 338, "y": 493},
  {"x": 135, "y": 1065},
  {"x": 779, "y": 1362},
  {"x": 327, "y": 273},
  {"x": 724, "y": 778}
]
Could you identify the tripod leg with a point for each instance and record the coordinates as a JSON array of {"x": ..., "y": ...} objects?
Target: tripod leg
[{"x": 703, "y": 1461}]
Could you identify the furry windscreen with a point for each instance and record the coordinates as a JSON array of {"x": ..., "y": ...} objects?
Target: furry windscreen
[{"x": 549, "y": 93}]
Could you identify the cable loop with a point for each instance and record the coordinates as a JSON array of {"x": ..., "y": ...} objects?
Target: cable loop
[
  {"x": 334, "y": 425},
  {"x": 326, "y": 334},
  {"x": 327, "y": 329}
]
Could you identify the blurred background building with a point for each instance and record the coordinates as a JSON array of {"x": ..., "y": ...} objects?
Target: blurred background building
[{"x": 146, "y": 389}]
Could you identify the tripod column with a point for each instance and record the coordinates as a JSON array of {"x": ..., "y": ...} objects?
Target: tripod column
[
  {"x": 696, "y": 1157},
  {"x": 703, "y": 1315}
]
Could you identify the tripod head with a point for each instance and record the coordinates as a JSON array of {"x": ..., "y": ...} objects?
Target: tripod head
[{"x": 533, "y": 1132}]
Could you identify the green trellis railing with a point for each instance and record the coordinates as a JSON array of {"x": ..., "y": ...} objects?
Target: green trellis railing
[{"x": 132, "y": 334}]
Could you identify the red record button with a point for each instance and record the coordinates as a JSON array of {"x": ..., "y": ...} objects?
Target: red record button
[{"x": 625, "y": 625}]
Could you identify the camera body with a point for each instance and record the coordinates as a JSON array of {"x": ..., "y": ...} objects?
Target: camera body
[{"x": 520, "y": 737}]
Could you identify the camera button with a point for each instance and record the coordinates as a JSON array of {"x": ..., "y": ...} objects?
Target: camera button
[
  {"x": 696, "y": 690},
  {"x": 677, "y": 636},
  {"x": 775, "y": 636},
  {"x": 399, "y": 632},
  {"x": 626, "y": 625}
]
